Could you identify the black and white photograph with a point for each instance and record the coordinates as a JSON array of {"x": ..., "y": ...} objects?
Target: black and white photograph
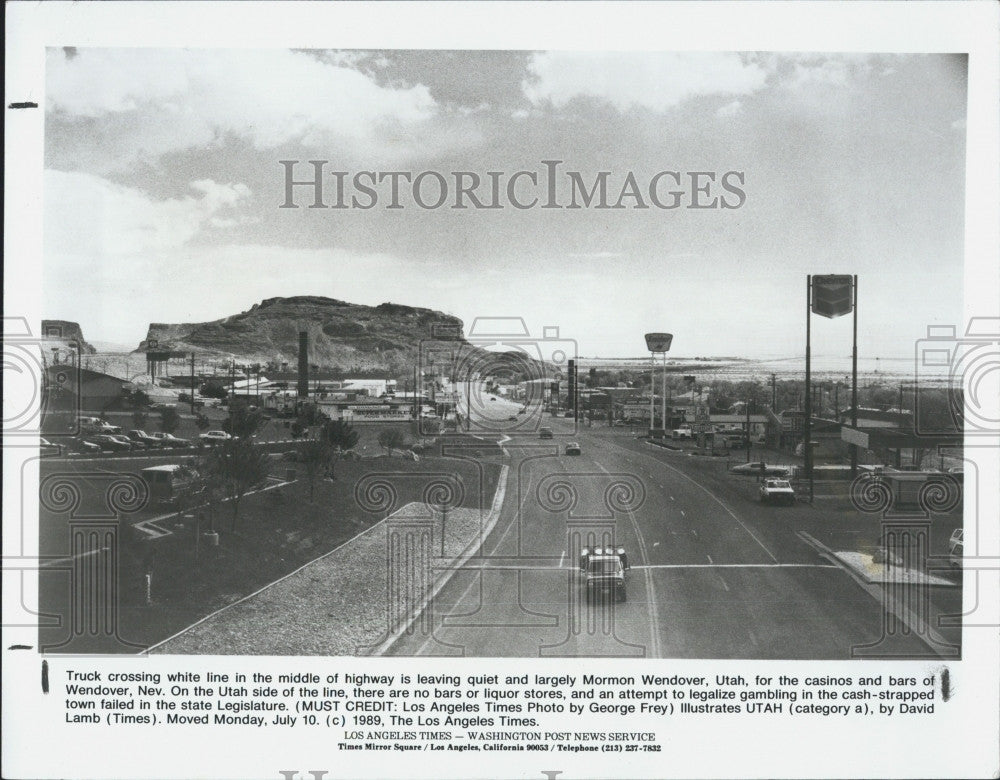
[{"x": 639, "y": 384}]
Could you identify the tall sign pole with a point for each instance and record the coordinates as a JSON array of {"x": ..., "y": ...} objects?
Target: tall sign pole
[
  {"x": 831, "y": 296},
  {"x": 657, "y": 342},
  {"x": 807, "y": 422},
  {"x": 663, "y": 420},
  {"x": 652, "y": 392},
  {"x": 854, "y": 382}
]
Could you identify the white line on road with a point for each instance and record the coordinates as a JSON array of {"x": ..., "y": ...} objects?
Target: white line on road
[
  {"x": 737, "y": 566},
  {"x": 709, "y": 557},
  {"x": 562, "y": 558},
  {"x": 682, "y": 513},
  {"x": 654, "y": 617}
]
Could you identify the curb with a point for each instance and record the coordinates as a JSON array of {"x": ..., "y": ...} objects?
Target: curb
[
  {"x": 474, "y": 544},
  {"x": 884, "y": 597}
]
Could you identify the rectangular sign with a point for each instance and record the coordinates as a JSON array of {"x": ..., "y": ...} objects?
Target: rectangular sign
[{"x": 854, "y": 436}]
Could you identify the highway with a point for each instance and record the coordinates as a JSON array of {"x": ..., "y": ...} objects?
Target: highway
[{"x": 714, "y": 574}]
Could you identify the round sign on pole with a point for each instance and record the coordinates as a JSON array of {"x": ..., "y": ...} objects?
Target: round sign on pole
[{"x": 659, "y": 342}]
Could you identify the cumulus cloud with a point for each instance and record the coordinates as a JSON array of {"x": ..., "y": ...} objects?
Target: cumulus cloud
[
  {"x": 730, "y": 109},
  {"x": 88, "y": 215},
  {"x": 639, "y": 79},
  {"x": 190, "y": 98}
]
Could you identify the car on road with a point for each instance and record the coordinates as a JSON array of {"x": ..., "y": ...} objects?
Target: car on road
[
  {"x": 956, "y": 548},
  {"x": 682, "y": 433},
  {"x": 144, "y": 438},
  {"x": 168, "y": 440},
  {"x": 108, "y": 428},
  {"x": 604, "y": 573},
  {"x": 544, "y": 433},
  {"x": 572, "y": 448},
  {"x": 107, "y": 442},
  {"x": 214, "y": 437},
  {"x": 777, "y": 491},
  {"x": 513, "y": 418}
]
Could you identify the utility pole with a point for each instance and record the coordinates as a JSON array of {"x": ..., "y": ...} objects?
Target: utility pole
[
  {"x": 192, "y": 383},
  {"x": 748, "y": 429},
  {"x": 774, "y": 394}
]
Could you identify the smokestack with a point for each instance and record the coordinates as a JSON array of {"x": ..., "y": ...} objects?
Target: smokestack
[{"x": 303, "y": 386}]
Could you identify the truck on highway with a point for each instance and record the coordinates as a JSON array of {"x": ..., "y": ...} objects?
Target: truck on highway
[{"x": 603, "y": 571}]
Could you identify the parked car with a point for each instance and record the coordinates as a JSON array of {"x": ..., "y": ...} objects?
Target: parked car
[
  {"x": 83, "y": 446},
  {"x": 144, "y": 438},
  {"x": 956, "y": 548},
  {"x": 758, "y": 467},
  {"x": 544, "y": 433},
  {"x": 45, "y": 447},
  {"x": 572, "y": 448},
  {"x": 214, "y": 437},
  {"x": 108, "y": 442},
  {"x": 108, "y": 428},
  {"x": 777, "y": 491},
  {"x": 168, "y": 440},
  {"x": 132, "y": 443}
]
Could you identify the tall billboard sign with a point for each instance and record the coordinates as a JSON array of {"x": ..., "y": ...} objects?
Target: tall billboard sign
[
  {"x": 659, "y": 342},
  {"x": 832, "y": 295}
]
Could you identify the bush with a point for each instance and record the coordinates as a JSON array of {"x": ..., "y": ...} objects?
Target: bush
[
  {"x": 213, "y": 390},
  {"x": 392, "y": 439}
]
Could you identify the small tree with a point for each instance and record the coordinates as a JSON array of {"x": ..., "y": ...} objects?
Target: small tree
[
  {"x": 169, "y": 420},
  {"x": 235, "y": 467},
  {"x": 314, "y": 455},
  {"x": 339, "y": 437},
  {"x": 138, "y": 418},
  {"x": 391, "y": 439},
  {"x": 202, "y": 421},
  {"x": 139, "y": 399},
  {"x": 242, "y": 422}
]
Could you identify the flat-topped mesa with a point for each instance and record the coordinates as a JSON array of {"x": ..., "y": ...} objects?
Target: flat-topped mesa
[
  {"x": 353, "y": 337},
  {"x": 67, "y": 332}
]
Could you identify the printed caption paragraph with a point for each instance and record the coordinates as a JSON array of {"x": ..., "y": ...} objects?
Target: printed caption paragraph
[{"x": 481, "y": 712}]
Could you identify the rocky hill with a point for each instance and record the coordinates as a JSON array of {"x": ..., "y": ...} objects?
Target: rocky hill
[
  {"x": 66, "y": 332},
  {"x": 351, "y": 337}
]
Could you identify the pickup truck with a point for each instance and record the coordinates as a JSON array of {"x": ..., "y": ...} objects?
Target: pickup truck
[{"x": 604, "y": 572}]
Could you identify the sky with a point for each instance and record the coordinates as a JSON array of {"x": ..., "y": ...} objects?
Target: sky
[{"x": 163, "y": 190}]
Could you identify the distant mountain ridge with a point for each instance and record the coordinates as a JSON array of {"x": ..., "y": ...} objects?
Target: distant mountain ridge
[{"x": 344, "y": 335}]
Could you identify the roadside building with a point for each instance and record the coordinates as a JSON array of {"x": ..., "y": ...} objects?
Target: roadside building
[{"x": 91, "y": 390}]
